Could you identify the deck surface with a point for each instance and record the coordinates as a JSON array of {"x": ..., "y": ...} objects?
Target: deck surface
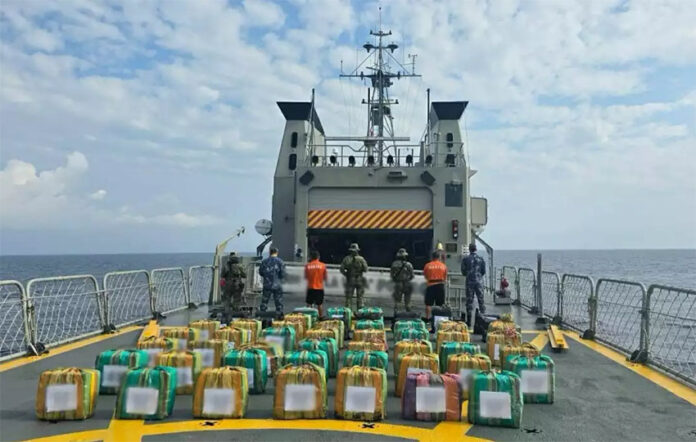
[{"x": 596, "y": 399}]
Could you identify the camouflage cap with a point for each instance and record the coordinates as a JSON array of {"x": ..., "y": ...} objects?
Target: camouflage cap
[
  {"x": 354, "y": 247},
  {"x": 402, "y": 253}
]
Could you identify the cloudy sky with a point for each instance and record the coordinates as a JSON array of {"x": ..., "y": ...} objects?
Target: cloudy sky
[{"x": 152, "y": 127}]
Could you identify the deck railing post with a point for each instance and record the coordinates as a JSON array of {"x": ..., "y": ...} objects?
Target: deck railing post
[{"x": 517, "y": 287}]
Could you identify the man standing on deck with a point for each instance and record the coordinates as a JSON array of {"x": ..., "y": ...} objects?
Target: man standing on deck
[
  {"x": 435, "y": 273},
  {"x": 233, "y": 276},
  {"x": 401, "y": 275},
  {"x": 272, "y": 270},
  {"x": 473, "y": 267},
  {"x": 353, "y": 268},
  {"x": 315, "y": 274}
]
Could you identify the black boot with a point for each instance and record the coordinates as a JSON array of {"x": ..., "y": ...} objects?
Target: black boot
[{"x": 469, "y": 319}]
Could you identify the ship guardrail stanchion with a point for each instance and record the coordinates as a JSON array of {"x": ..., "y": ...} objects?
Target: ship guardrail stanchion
[
  {"x": 15, "y": 338},
  {"x": 620, "y": 316},
  {"x": 128, "y": 297},
  {"x": 578, "y": 304},
  {"x": 541, "y": 319}
]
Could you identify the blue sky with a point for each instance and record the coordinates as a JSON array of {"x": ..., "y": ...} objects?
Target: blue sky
[{"x": 152, "y": 126}]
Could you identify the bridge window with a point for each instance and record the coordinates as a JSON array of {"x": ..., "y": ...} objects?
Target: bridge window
[
  {"x": 454, "y": 195},
  {"x": 292, "y": 161},
  {"x": 293, "y": 139},
  {"x": 450, "y": 140}
]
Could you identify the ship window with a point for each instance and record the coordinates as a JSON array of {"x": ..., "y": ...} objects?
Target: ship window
[
  {"x": 293, "y": 139},
  {"x": 292, "y": 161},
  {"x": 454, "y": 195},
  {"x": 450, "y": 139}
]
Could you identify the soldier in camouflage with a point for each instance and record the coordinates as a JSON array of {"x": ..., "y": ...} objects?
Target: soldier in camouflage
[
  {"x": 233, "y": 276},
  {"x": 353, "y": 267},
  {"x": 474, "y": 268},
  {"x": 272, "y": 270},
  {"x": 401, "y": 275}
]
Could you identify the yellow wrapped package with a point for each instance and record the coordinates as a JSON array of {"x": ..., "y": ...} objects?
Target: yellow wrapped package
[
  {"x": 221, "y": 393},
  {"x": 66, "y": 394},
  {"x": 207, "y": 328},
  {"x": 452, "y": 336},
  {"x": 235, "y": 336},
  {"x": 188, "y": 367},
  {"x": 296, "y": 324},
  {"x": 415, "y": 363},
  {"x": 300, "y": 392},
  {"x": 253, "y": 325},
  {"x": 182, "y": 335},
  {"x": 495, "y": 341},
  {"x": 211, "y": 351}
]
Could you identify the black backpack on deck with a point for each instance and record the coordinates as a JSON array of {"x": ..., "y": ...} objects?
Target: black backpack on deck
[{"x": 482, "y": 322}]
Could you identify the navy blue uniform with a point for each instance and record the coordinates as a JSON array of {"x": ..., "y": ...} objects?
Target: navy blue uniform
[
  {"x": 474, "y": 268},
  {"x": 272, "y": 270}
]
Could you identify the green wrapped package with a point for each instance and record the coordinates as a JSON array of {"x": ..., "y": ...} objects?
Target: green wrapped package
[
  {"x": 316, "y": 357},
  {"x": 68, "y": 393},
  {"x": 337, "y": 325},
  {"x": 495, "y": 399},
  {"x": 187, "y": 365},
  {"x": 370, "y": 313},
  {"x": 274, "y": 355},
  {"x": 300, "y": 392},
  {"x": 365, "y": 324},
  {"x": 284, "y": 336},
  {"x": 412, "y": 333},
  {"x": 454, "y": 348},
  {"x": 147, "y": 393},
  {"x": 256, "y": 363},
  {"x": 329, "y": 346},
  {"x": 410, "y": 346},
  {"x": 361, "y": 393},
  {"x": 343, "y": 313},
  {"x": 113, "y": 365},
  {"x": 366, "y": 358},
  {"x": 538, "y": 377},
  {"x": 311, "y": 312},
  {"x": 404, "y": 324}
]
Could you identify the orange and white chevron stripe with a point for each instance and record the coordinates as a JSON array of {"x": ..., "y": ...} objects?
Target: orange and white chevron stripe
[{"x": 369, "y": 219}]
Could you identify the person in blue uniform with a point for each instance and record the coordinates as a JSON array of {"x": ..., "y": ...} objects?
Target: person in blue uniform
[
  {"x": 474, "y": 268},
  {"x": 272, "y": 270}
]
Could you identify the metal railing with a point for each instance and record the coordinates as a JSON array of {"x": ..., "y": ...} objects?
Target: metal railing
[
  {"x": 526, "y": 287},
  {"x": 13, "y": 327},
  {"x": 577, "y": 297},
  {"x": 200, "y": 283},
  {"x": 169, "y": 289},
  {"x": 619, "y": 308},
  {"x": 128, "y": 297},
  {"x": 551, "y": 293}
]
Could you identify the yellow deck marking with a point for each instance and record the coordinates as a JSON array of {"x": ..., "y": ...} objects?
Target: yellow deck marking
[
  {"x": 664, "y": 381},
  {"x": 151, "y": 329},
  {"x": 558, "y": 342},
  {"x": 65, "y": 348},
  {"x": 540, "y": 341},
  {"x": 124, "y": 430}
]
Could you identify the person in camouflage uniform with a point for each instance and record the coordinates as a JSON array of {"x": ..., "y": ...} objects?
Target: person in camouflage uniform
[
  {"x": 353, "y": 267},
  {"x": 233, "y": 276},
  {"x": 272, "y": 270},
  {"x": 474, "y": 268},
  {"x": 401, "y": 275}
]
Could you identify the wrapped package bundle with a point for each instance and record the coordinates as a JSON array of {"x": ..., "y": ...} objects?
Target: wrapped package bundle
[
  {"x": 154, "y": 345},
  {"x": 182, "y": 335},
  {"x": 412, "y": 333},
  {"x": 235, "y": 336},
  {"x": 410, "y": 346},
  {"x": 297, "y": 323},
  {"x": 211, "y": 351},
  {"x": 337, "y": 325},
  {"x": 453, "y": 348},
  {"x": 407, "y": 324},
  {"x": 364, "y": 324},
  {"x": 66, "y": 394},
  {"x": 329, "y": 346},
  {"x": 361, "y": 393},
  {"x": 311, "y": 312},
  {"x": 207, "y": 328},
  {"x": 415, "y": 363},
  {"x": 300, "y": 392},
  {"x": 366, "y": 358},
  {"x": 253, "y": 325},
  {"x": 284, "y": 336},
  {"x": 343, "y": 313},
  {"x": 113, "y": 365},
  {"x": 465, "y": 364},
  {"x": 495, "y": 341},
  {"x": 452, "y": 325},
  {"x": 306, "y": 319},
  {"x": 255, "y": 361},
  {"x": 301, "y": 357},
  {"x": 525, "y": 349},
  {"x": 537, "y": 377},
  {"x": 274, "y": 354},
  {"x": 451, "y": 336},
  {"x": 147, "y": 393},
  {"x": 431, "y": 397},
  {"x": 495, "y": 399},
  {"x": 504, "y": 323},
  {"x": 221, "y": 393},
  {"x": 374, "y": 343},
  {"x": 370, "y": 313},
  {"x": 187, "y": 365},
  {"x": 369, "y": 335},
  {"x": 321, "y": 333}
]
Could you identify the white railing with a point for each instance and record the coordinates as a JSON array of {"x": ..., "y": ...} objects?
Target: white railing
[
  {"x": 200, "y": 284},
  {"x": 13, "y": 328},
  {"x": 128, "y": 297},
  {"x": 169, "y": 289}
]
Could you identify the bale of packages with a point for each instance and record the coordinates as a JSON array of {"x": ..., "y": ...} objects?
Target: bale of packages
[
  {"x": 301, "y": 357},
  {"x": 182, "y": 335},
  {"x": 327, "y": 345},
  {"x": 369, "y": 335},
  {"x": 221, "y": 393},
  {"x": 256, "y": 364},
  {"x": 495, "y": 399},
  {"x": 452, "y": 348},
  {"x": 374, "y": 343},
  {"x": 370, "y": 313},
  {"x": 334, "y": 324},
  {"x": 431, "y": 397},
  {"x": 274, "y": 354},
  {"x": 208, "y": 327},
  {"x": 321, "y": 333},
  {"x": 465, "y": 364},
  {"x": 451, "y": 336},
  {"x": 361, "y": 393},
  {"x": 412, "y": 333},
  {"x": 147, "y": 393},
  {"x": 211, "y": 351},
  {"x": 67, "y": 393},
  {"x": 415, "y": 363},
  {"x": 504, "y": 323},
  {"x": 410, "y": 346},
  {"x": 187, "y": 365},
  {"x": 300, "y": 392},
  {"x": 537, "y": 377},
  {"x": 450, "y": 325},
  {"x": 113, "y": 365},
  {"x": 495, "y": 341},
  {"x": 408, "y": 324},
  {"x": 284, "y": 336},
  {"x": 298, "y": 323},
  {"x": 343, "y": 313},
  {"x": 253, "y": 325},
  {"x": 366, "y": 358},
  {"x": 305, "y": 319},
  {"x": 235, "y": 336},
  {"x": 311, "y": 312},
  {"x": 154, "y": 345},
  {"x": 365, "y": 324},
  {"x": 526, "y": 349}
]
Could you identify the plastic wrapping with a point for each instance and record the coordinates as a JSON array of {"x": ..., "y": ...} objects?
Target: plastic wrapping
[
  {"x": 334, "y": 324},
  {"x": 274, "y": 354},
  {"x": 187, "y": 365},
  {"x": 207, "y": 327},
  {"x": 376, "y": 344},
  {"x": 306, "y": 319},
  {"x": 452, "y": 325},
  {"x": 235, "y": 336},
  {"x": 321, "y": 333},
  {"x": 154, "y": 345},
  {"x": 327, "y": 345},
  {"x": 364, "y": 324},
  {"x": 367, "y": 358},
  {"x": 495, "y": 341},
  {"x": 316, "y": 357},
  {"x": 370, "y": 313},
  {"x": 412, "y": 333},
  {"x": 253, "y": 325},
  {"x": 297, "y": 322},
  {"x": 495, "y": 399},
  {"x": 221, "y": 393},
  {"x": 361, "y": 393},
  {"x": 431, "y": 397},
  {"x": 311, "y": 312},
  {"x": 255, "y": 362},
  {"x": 66, "y": 394},
  {"x": 410, "y": 346},
  {"x": 182, "y": 335},
  {"x": 413, "y": 363},
  {"x": 464, "y": 365},
  {"x": 370, "y": 335},
  {"x": 537, "y": 377},
  {"x": 504, "y": 323},
  {"x": 525, "y": 349},
  {"x": 407, "y": 324},
  {"x": 147, "y": 393},
  {"x": 452, "y": 348},
  {"x": 345, "y": 314},
  {"x": 451, "y": 336},
  {"x": 283, "y": 335},
  {"x": 113, "y": 364},
  {"x": 211, "y": 351},
  {"x": 300, "y": 392}
]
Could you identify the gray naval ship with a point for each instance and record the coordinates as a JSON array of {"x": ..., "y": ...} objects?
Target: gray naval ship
[{"x": 633, "y": 377}]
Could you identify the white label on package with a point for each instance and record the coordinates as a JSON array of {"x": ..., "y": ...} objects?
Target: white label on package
[
  {"x": 360, "y": 399},
  {"x": 439, "y": 319},
  {"x": 430, "y": 400},
  {"x": 495, "y": 404},
  {"x": 182, "y": 344},
  {"x": 230, "y": 345},
  {"x": 204, "y": 335},
  {"x": 61, "y": 397},
  {"x": 274, "y": 339},
  {"x": 152, "y": 355},
  {"x": 268, "y": 365},
  {"x": 113, "y": 374},
  {"x": 300, "y": 397},
  {"x": 250, "y": 378},
  {"x": 141, "y": 400},
  {"x": 496, "y": 351},
  {"x": 411, "y": 370},
  {"x": 535, "y": 381},
  {"x": 337, "y": 316},
  {"x": 184, "y": 376},
  {"x": 464, "y": 376},
  {"x": 207, "y": 356},
  {"x": 219, "y": 401}
]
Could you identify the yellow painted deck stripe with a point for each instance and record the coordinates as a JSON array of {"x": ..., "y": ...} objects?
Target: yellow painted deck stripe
[
  {"x": 151, "y": 329},
  {"x": 540, "y": 341},
  {"x": 65, "y": 348},
  {"x": 677, "y": 388}
]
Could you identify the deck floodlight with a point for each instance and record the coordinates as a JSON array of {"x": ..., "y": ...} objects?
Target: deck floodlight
[
  {"x": 370, "y": 160},
  {"x": 333, "y": 160},
  {"x": 368, "y": 47},
  {"x": 392, "y": 47},
  {"x": 315, "y": 160},
  {"x": 351, "y": 161},
  {"x": 390, "y": 160},
  {"x": 429, "y": 160},
  {"x": 409, "y": 159}
]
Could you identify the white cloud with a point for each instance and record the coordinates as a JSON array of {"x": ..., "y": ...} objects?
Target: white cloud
[{"x": 98, "y": 195}]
